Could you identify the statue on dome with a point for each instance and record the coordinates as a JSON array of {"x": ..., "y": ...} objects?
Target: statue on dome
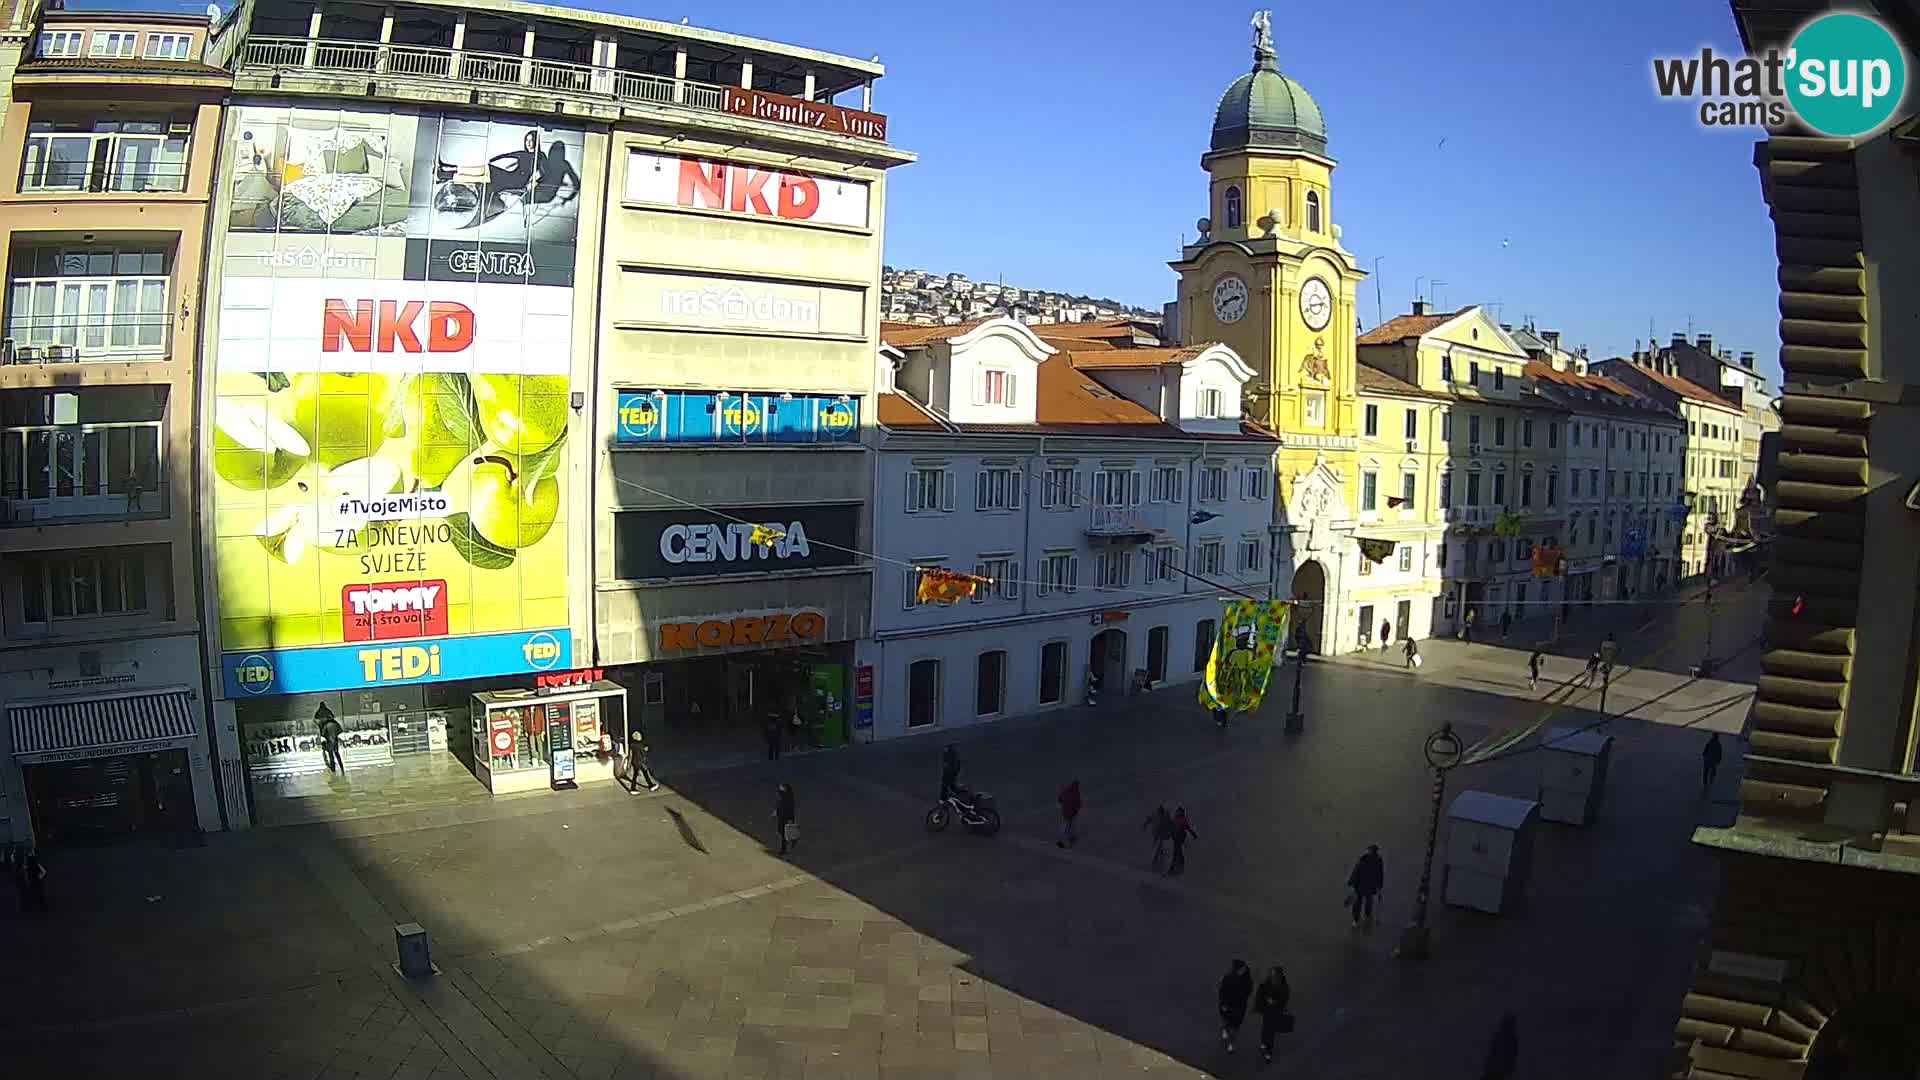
[{"x": 1263, "y": 31}]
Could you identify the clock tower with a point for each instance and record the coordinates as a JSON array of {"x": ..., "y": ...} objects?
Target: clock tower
[{"x": 1269, "y": 277}]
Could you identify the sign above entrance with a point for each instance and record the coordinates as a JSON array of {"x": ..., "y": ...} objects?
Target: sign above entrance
[
  {"x": 734, "y": 631},
  {"x": 646, "y": 417},
  {"x": 663, "y": 180},
  {"x": 355, "y": 666},
  {"x": 563, "y": 680},
  {"x": 697, "y": 543}
]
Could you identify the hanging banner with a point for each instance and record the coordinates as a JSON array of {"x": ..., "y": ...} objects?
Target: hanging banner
[
  {"x": 1250, "y": 634},
  {"x": 1377, "y": 551}
]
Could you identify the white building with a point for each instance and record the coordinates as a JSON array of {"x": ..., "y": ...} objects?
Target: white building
[{"x": 1087, "y": 480}]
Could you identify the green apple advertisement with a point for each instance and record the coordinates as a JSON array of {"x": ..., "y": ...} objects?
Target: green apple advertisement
[{"x": 390, "y": 423}]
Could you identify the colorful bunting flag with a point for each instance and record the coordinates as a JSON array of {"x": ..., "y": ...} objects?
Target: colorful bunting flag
[
  {"x": 939, "y": 585},
  {"x": 765, "y": 536},
  {"x": 1249, "y": 636}
]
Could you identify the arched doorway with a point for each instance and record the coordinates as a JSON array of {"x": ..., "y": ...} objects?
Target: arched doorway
[
  {"x": 1107, "y": 654},
  {"x": 1310, "y": 591},
  {"x": 1872, "y": 1039}
]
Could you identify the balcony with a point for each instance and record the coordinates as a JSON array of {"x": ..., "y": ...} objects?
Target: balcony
[
  {"x": 124, "y": 157},
  {"x": 1472, "y": 515},
  {"x": 468, "y": 68},
  {"x": 99, "y": 504},
  {"x": 1125, "y": 524},
  {"x": 85, "y": 339},
  {"x": 65, "y": 472}
]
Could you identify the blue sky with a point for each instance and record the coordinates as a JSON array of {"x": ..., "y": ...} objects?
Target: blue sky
[{"x": 1060, "y": 142}]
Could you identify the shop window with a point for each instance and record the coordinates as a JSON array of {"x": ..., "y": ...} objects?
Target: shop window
[
  {"x": 923, "y": 693},
  {"x": 990, "y": 683},
  {"x": 1202, "y": 643},
  {"x": 1157, "y": 653},
  {"x": 1053, "y": 672}
]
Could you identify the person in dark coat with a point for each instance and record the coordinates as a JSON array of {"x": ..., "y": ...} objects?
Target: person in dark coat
[
  {"x": 1160, "y": 824},
  {"x": 329, "y": 738},
  {"x": 1412, "y": 652},
  {"x": 1069, "y": 810},
  {"x": 1386, "y": 635},
  {"x": 1533, "y": 670},
  {"x": 1236, "y": 986},
  {"x": 1506, "y": 623},
  {"x": 1182, "y": 828},
  {"x": 770, "y": 726},
  {"x": 1368, "y": 877},
  {"x": 784, "y": 815},
  {"x": 1503, "y": 1051},
  {"x": 1270, "y": 1001},
  {"x": 638, "y": 772},
  {"x": 1709, "y": 761},
  {"x": 33, "y": 883},
  {"x": 950, "y": 774}
]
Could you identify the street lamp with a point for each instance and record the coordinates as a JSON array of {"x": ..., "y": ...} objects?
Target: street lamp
[
  {"x": 1444, "y": 751},
  {"x": 1296, "y": 720},
  {"x": 1706, "y": 657}
]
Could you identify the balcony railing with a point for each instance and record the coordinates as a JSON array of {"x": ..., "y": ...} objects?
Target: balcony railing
[
  {"x": 489, "y": 69},
  {"x": 71, "y": 339},
  {"x": 1125, "y": 521},
  {"x": 17, "y": 510},
  {"x": 95, "y": 178}
]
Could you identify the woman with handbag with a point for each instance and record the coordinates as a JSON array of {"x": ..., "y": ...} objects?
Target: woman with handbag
[
  {"x": 1270, "y": 1001},
  {"x": 784, "y": 818}
]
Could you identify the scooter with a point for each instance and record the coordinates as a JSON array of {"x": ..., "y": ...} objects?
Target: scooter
[{"x": 974, "y": 809}]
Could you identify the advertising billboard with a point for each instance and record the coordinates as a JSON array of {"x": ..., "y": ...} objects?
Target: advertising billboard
[
  {"x": 730, "y": 187},
  {"x": 392, "y": 407},
  {"x": 695, "y": 543},
  {"x": 659, "y": 417},
  {"x": 719, "y": 302}
]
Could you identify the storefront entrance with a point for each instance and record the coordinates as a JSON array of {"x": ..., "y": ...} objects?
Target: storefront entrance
[
  {"x": 110, "y": 799},
  {"x": 719, "y": 709}
]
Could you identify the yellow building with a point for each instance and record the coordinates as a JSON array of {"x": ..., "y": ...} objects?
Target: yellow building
[{"x": 1268, "y": 277}]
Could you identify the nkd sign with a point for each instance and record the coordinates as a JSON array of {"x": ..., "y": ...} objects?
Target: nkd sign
[{"x": 752, "y": 190}]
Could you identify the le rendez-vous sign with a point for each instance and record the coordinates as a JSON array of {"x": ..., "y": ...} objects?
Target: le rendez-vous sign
[{"x": 799, "y": 112}]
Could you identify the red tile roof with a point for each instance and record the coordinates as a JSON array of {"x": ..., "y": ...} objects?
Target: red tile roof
[
  {"x": 1686, "y": 388},
  {"x": 1401, "y": 327},
  {"x": 902, "y": 413},
  {"x": 907, "y": 335},
  {"x": 1138, "y": 357}
]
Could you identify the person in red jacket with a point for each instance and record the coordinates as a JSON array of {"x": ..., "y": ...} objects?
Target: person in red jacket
[{"x": 1069, "y": 809}]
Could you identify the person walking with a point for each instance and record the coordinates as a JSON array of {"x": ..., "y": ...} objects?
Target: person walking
[
  {"x": 638, "y": 771},
  {"x": 950, "y": 785},
  {"x": 786, "y": 821},
  {"x": 1503, "y": 1050},
  {"x": 329, "y": 738},
  {"x": 770, "y": 727},
  {"x": 1236, "y": 986},
  {"x": 1466, "y": 625},
  {"x": 1533, "y": 670},
  {"x": 33, "y": 883},
  {"x": 1270, "y": 1001},
  {"x": 1182, "y": 829},
  {"x": 1593, "y": 669},
  {"x": 1368, "y": 877},
  {"x": 1386, "y": 634},
  {"x": 1709, "y": 761},
  {"x": 13, "y": 863},
  {"x": 1069, "y": 810},
  {"x": 1159, "y": 824},
  {"x": 1506, "y": 623},
  {"x": 1412, "y": 652}
]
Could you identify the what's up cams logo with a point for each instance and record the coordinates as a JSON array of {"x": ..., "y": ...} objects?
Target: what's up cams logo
[{"x": 1843, "y": 75}]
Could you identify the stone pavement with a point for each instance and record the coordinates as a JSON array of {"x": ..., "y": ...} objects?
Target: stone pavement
[{"x": 599, "y": 935}]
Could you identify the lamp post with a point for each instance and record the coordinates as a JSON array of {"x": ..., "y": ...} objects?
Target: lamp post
[
  {"x": 1706, "y": 657},
  {"x": 1443, "y": 751},
  {"x": 1296, "y": 720}
]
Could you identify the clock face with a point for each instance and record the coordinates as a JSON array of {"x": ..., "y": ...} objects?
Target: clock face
[
  {"x": 1230, "y": 299},
  {"x": 1316, "y": 304}
]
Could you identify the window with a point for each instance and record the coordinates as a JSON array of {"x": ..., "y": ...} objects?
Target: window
[
  {"x": 1446, "y": 490},
  {"x": 1473, "y": 429},
  {"x": 1446, "y": 368},
  {"x": 1612, "y": 485},
  {"x": 1526, "y": 431},
  {"x": 1573, "y": 431},
  {"x": 1574, "y": 476},
  {"x": 1002, "y": 573},
  {"x": 1313, "y": 211},
  {"x": 1053, "y": 672},
  {"x": 1553, "y": 436},
  {"x": 1253, "y": 481},
  {"x": 1116, "y": 487},
  {"x": 82, "y": 585},
  {"x": 1213, "y": 483},
  {"x": 1210, "y": 404},
  {"x": 1496, "y": 551},
  {"x": 1157, "y": 653},
  {"x": 1406, "y": 558},
  {"x": 1057, "y": 487},
  {"x": 923, "y": 693},
  {"x": 1252, "y": 555},
  {"x": 1499, "y": 377},
  {"x": 1315, "y": 408},
  {"x": 1059, "y": 573},
  {"x": 1590, "y": 527},
  {"x": 911, "y": 599},
  {"x": 1167, "y": 484},
  {"x": 1613, "y": 437},
  {"x": 1213, "y": 556},
  {"x": 1203, "y": 632},
  {"x": 1406, "y": 491},
  {"x": 1593, "y": 483},
  {"x": 1473, "y": 489},
  {"x": 61, "y": 43},
  {"x": 997, "y": 488},
  {"x": 1553, "y": 489},
  {"x": 1369, "y": 490},
  {"x": 990, "y": 683},
  {"x": 1473, "y": 372},
  {"x": 105, "y": 455},
  {"x": 1412, "y": 424},
  {"x": 1643, "y": 484},
  {"x": 1446, "y": 426},
  {"x": 114, "y": 43},
  {"x": 1373, "y": 419},
  {"x": 1233, "y": 214},
  {"x": 995, "y": 388},
  {"x": 1499, "y": 431},
  {"x": 103, "y": 303},
  {"x": 1500, "y": 489},
  {"x": 1112, "y": 569},
  {"x": 1526, "y": 489},
  {"x": 168, "y": 46},
  {"x": 1163, "y": 563},
  {"x": 929, "y": 489}
]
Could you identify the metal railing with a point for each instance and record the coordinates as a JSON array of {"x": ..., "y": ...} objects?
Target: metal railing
[
  {"x": 18, "y": 510},
  {"x": 80, "y": 339},
  {"x": 92, "y": 178},
  {"x": 494, "y": 69},
  {"x": 1122, "y": 520}
]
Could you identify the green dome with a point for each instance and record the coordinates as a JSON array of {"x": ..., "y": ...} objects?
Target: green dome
[{"x": 1264, "y": 108}]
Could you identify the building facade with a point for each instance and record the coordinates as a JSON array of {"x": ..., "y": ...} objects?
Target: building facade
[
  {"x": 482, "y": 275},
  {"x": 1107, "y": 498},
  {"x": 107, "y": 158},
  {"x": 1402, "y": 460}
]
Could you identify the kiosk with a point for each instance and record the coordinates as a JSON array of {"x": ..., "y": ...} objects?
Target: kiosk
[
  {"x": 1489, "y": 850},
  {"x": 547, "y": 737},
  {"x": 1573, "y": 775}
]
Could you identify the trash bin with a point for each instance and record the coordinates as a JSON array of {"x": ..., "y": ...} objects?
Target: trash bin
[
  {"x": 416, "y": 958},
  {"x": 1489, "y": 850},
  {"x": 1573, "y": 775}
]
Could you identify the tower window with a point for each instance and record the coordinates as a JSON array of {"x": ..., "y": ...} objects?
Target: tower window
[
  {"x": 1313, "y": 211},
  {"x": 1233, "y": 208}
]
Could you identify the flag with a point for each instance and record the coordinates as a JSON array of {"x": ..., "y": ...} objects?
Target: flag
[
  {"x": 1376, "y": 551},
  {"x": 765, "y": 536},
  {"x": 939, "y": 585},
  {"x": 1506, "y": 526},
  {"x": 1395, "y": 502},
  {"x": 1238, "y": 669}
]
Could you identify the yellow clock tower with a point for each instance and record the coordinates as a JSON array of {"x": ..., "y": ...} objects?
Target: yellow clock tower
[{"x": 1269, "y": 277}]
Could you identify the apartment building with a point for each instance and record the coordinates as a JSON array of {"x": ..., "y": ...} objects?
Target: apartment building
[
  {"x": 1109, "y": 494},
  {"x": 1402, "y": 460},
  {"x": 106, "y": 164}
]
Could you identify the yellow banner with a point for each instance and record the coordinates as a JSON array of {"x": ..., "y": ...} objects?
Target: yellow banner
[{"x": 1250, "y": 634}]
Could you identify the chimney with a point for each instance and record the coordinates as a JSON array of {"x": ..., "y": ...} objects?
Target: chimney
[
  {"x": 1419, "y": 307},
  {"x": 1551, "y": 337},
  {"x": 1746, "y": 359},
  {"x": 1704, "y": 343},
  {"x": 1679, "y": 340}
]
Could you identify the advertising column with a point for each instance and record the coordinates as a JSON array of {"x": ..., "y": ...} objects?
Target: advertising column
[{"x": 391, "y": 417}]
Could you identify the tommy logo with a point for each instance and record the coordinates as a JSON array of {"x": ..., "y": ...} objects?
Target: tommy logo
[
  {"x": 395, "y": 609},
  {"x": 390, "y": 325}
]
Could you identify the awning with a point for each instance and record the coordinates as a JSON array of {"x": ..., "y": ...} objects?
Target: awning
[{"x": 65, "y": 727}]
